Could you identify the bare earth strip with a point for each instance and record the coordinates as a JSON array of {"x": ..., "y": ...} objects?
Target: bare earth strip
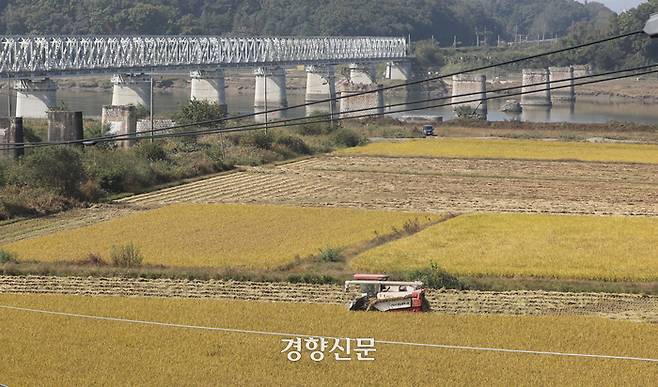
[
  {"x": 433, "y": 185},
  {"x": 616, "y": 306}
]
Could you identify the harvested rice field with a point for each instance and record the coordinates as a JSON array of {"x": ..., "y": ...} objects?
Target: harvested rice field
[
  {"x": 219, "y": 236},
  {"x": 511, "y": 149},
  {"x": 564, "y": 247},
  {"x": 432, "y": 185}
]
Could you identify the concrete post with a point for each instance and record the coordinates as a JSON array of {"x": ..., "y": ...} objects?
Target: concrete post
[
  {"x": 209, "y": 86},
  {"x": 35, "y": 98},
  {"x": 363, "y": 74},
  {"x": 11, "y": 132},
  {"x": 121, "y": 120},
  {"x": 65, "y": 126},
  {"x": 581, "y": 70},
  {"x": 562, "y": 77},
  {"x": 131, "y": 89},
  {"x": 539, "y": 95},
  {"x": 274, "y": 82},
  {"x": 398, "y": 71},
  {"x": 474, "y": 84},
  {"x": 372, "y": 103}
]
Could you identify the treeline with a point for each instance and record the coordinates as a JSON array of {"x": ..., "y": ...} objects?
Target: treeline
[
  {"x": 633, "y": 51},
  {"x": 422, "y": 19}
]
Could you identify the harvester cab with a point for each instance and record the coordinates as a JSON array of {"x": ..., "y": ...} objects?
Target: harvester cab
[{"x": 378, "y": 293}]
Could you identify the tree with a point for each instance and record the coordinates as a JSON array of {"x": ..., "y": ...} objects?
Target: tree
[
  {"x": 199, "y": 111},
  {"x": 57, "y": 169}
]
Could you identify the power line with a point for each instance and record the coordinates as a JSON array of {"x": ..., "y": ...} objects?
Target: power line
[{"x": 305, "y": 120}]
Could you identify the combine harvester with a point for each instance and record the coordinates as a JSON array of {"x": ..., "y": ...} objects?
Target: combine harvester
[{"x": 378, "y": 293}]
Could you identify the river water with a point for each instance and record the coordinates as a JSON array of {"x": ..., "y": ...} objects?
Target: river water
[{"x": 585, "y": 110}]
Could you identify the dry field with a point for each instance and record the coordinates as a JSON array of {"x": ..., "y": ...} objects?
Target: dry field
[
  {"x": 549, "y": 246},
  {"x": 630, "y": 307},
  {"x": 433, "y": 185},
  {"x": 220, "y": 236},
  {"x": 53, "y": 349}
]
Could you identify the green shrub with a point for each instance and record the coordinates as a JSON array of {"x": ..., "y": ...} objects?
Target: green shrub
[
  {"x": 331, "y": 254},
  {"x": 348, "y": 137},
  {"x": 7, "y": 257},
  {"x": 4, "y": 171},
  {"x": 436, "y": 278},
  {"x": 118, "y": 170},
  {"x": 58, "y": 169},
  {"x": 294, "y": 144},
  {"x": 152, "y": 151},
  {"x": 31, "y": 201},
  {"x": 314, "y": 129},
  {"x": 126, "y": 256},
  {"x": 258, "y": 139}
]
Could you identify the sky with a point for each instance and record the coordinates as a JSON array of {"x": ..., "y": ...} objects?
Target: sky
[{"x": 619, "y": 5}]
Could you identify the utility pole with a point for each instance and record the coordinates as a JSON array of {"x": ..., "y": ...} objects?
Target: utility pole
[
  {"x": 9, "y": 99},
  {"x": 266, "y": 114},
  {"x": 151, "y": 109},
  {"x": 477, "y": 38}
]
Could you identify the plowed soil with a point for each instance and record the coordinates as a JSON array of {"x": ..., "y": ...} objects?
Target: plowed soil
[
  {"x": 433, "y": 185},
  {"x": 617, "y": 306}
]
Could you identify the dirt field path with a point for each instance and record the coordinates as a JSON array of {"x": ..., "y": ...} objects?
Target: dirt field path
[
  {"x": 433, "y": 185},
  {"x": 616, "y": 306}
]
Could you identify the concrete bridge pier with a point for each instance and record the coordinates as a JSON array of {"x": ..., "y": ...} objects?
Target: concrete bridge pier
[
  {"x": 131, "y": 89},
  {"x": 363, "y": 74},
  {"x": 270, "y": 87},
  {"x": 366, "y": 104},
  {"x": 320, "y": 85},
  {"x": 538, "y": 95},
  {"x": 476, "y": 86},
  {"x": 562, "y": 77},
  {"x": 11, "y": 132},
  {"x": 121, "y": 120},
  {"x": 34, "y": 98},
  {"x": 398, "y": 71},
  {"x": 209, "y": 86}
]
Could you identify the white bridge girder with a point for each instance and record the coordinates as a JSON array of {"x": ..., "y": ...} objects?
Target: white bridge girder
[{"x": 26, "y": 56}]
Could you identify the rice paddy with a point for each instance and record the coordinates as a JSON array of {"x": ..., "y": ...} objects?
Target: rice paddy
[
  {"x": 565, "y": 247},
  {"x": 40, "y": 349},
  {"x": 511, "y": 149},
  {"x": 222, "y": 236}
]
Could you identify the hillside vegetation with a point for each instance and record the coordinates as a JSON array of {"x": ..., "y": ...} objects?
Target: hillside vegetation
[{"x": 421, "y": 19}]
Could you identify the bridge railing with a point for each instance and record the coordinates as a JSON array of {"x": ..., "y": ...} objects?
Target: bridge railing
[{"x": 24, "y": 55}]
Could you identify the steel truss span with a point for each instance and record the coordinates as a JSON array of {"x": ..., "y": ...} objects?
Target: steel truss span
[{"x": 51, "y": 55}]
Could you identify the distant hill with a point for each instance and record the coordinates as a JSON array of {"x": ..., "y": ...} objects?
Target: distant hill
[{"x": 422, "y": 19}]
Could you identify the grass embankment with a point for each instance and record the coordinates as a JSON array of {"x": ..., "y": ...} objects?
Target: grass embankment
[
  {"x": 48, "y": 349},
  {"x": 221, "y": 236},
  {"x": 511, "y": 149},
  {"x": 561, "y": 247}
]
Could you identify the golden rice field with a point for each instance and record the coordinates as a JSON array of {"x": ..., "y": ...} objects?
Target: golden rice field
[
  {"x": 581, "y": 247},
  {"x": 511, "y": 149},
  {"x": 219, "y": 235},
  {"x": 40, "y": 349}
]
